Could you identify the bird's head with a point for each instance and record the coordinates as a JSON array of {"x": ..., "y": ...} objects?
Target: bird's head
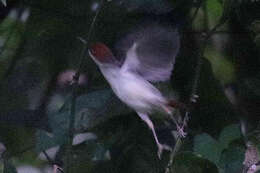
[{"x": 102, "y": 55}]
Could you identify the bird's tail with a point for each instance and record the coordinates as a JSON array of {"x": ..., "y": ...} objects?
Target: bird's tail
[
  {"x": 172, "y": 105},
  {"x": 178, "y": 105},
  {"x": 170, "y": 108}
]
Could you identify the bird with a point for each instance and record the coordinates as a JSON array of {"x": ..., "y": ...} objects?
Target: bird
[{"x": 144, "y": 56}]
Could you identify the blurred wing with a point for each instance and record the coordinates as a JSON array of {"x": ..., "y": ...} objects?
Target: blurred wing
[{"x": 153, "y": 53}]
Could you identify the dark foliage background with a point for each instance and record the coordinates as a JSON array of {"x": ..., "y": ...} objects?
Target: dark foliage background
[{"x": 48, "y": 117}]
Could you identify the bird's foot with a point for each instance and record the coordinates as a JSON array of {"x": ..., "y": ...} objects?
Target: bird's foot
[
  {"x": 162, "y": 147},
  {"x": 181, "y": 132}
]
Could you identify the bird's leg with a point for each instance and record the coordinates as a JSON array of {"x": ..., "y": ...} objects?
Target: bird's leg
[
  {"x": 193, "y": 100},
  {"x": 180, "y": 130},
  {"x": 160, "y": 146}
]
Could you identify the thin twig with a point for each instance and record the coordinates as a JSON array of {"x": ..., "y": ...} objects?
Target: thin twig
[
  {"x": 48, "y": 158},
  {"x": 76, "y": 76},
  {"x": 193, "y": 92},
  {"x": 173, "y": 154},
  {"x": 55, "y": 166},
  {"x": 86, "y": 42},
  {"x": 74, "y": 90}
]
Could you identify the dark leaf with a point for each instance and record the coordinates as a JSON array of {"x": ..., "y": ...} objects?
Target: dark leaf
[
  {"x": 9, "y": 167},
  {"x": 228, "y": 134},
  {"x": 94, "y": 100},
  {"x": 232, "y": 159},
  {"x": 101, "y": 153},
  {"x": 61, "y": 129},
  {"x": 189, "y": 163},
  {"x": 228, "y": 6},
  {"x": 155, "y": 6},
  {"x": 60, "y": 126},
  {"x": 44, "y": 141},
  {"x": 207, "y": 147},
  {"x": 96, "y": 107},
  {"x": 255, "y": 26},
  {"x": 59, "y": 123}
]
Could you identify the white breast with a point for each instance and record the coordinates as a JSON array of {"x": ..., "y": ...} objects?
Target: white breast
[{"x": 137, "y": 93}]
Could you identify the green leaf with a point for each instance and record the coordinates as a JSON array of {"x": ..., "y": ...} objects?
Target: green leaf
[
  {"x": 207, "y": 147},
  {"x": 228, "y": 134},
  {"x": 4, "y": 2},
  {"x": 94, "y": 100},
  {"x": 9, "y": 167},
  {"x": 59, "y": 122},
  {"x": 232, "y": 159},
  {"x": 96, "y": 107},
  {"x": 11, "y": 32},
  {"x": 44, "y": 141},
  {"x": 60, "y": 126},
  {"x": 90, "y": 108},
  {"x": 188, "y": 162},
  {"x": 214, "y": 10},
  {"x": 222, "y": 67},
  {"x": 210, "y": 149}
]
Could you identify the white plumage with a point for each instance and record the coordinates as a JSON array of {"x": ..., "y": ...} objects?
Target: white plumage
[{"x": 149, "y": 55}]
